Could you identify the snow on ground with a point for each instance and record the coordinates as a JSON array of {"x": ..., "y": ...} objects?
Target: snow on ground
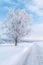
[
  {"x": 11, "y": 55},
  {"x": 36, "y": 56},
  {"x": 40, "y": 44},
  {"x": 23, "y": 54}
]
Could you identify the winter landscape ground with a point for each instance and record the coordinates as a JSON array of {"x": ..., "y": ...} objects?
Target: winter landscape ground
[{"x": 23, "y": 54}]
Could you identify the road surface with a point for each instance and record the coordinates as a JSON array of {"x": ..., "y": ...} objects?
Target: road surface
[{"x": 32, "y": 57}]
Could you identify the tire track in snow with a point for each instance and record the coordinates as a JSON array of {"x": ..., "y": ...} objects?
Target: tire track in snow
[
  {"x": 40, "y": 55},
  {"x": 35, "y": 57}
]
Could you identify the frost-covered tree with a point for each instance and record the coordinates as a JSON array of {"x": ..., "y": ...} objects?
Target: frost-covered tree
[{"x": 17, "y": 24}]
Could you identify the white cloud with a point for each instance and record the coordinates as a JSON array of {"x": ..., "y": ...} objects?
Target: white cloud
[
  {"x": 6, "y": 8},
  {"x": 7, "y": 1},
  {"x": 38, "y": 3},
  {"x": 37, "y": 32},
  {"x": 36, "y": 7}
]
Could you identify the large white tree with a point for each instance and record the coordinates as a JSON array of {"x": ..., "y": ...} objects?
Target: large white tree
[{"x": 17, "y": 24}]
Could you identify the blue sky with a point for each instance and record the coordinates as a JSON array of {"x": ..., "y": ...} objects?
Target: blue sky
[
  {"x": 28, "y": 5},
  {"x": 32, "y": 7}
]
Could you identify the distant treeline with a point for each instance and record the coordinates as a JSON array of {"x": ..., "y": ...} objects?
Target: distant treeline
[{"x": 25, "y": 41}]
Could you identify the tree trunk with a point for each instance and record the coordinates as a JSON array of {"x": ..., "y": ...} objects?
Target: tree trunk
[{"x": 16, "y": 41}]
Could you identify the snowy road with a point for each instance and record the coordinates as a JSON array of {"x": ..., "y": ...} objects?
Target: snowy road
[
  {"x": 36, "y": 56},
  {"x": 28, "y": 54}
]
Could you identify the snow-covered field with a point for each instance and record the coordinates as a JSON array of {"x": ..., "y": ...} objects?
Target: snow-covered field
[
  {"x": 11, "y": 55},
  {"x": 23, "y": 54}
]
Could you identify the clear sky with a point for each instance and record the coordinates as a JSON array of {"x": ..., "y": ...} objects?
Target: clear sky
[{"x": 33, "y": 7}]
